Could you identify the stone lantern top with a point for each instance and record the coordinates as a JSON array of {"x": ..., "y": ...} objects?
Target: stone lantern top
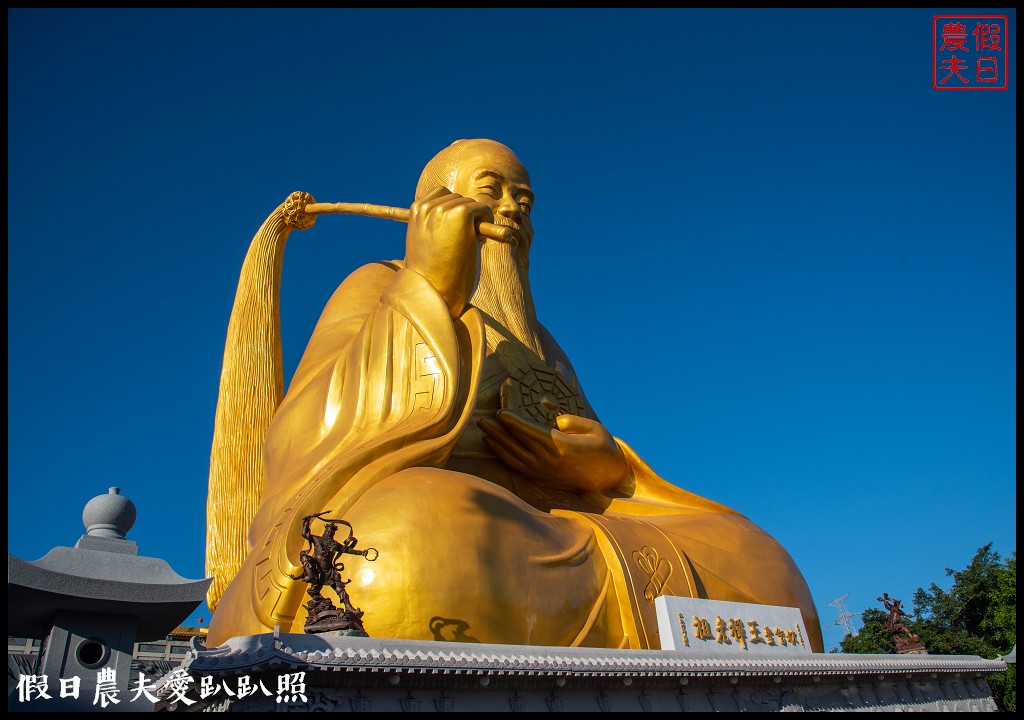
[{"x": 109, "y": 516}]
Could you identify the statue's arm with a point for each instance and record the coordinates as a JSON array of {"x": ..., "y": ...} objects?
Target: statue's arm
[
  {"x": 443, "y": 239},
  {"x": 442, "y": 249},
  {"x": 442, "y": 244},
  {"x": 385, "y": 346}
]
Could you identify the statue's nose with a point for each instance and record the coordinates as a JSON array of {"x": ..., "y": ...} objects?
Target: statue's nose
[{"x": 510, "y": 209}]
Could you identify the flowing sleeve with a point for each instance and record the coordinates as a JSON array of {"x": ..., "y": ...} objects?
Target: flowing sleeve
[{"x": 396, "y": 394}]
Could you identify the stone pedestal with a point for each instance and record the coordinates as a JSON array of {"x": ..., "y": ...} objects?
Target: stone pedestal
[{"x": 347, "y": 674}]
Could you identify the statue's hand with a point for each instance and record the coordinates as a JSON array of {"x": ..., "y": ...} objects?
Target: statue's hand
[
  {"x": 442, "y": 244},
  {"x": 579, "y": 455}
]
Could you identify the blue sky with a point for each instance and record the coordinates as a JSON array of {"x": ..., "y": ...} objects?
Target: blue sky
[{"x": 782, "y": 263}]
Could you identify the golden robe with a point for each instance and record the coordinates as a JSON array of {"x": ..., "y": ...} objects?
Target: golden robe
[{"x": 378, "y": 427}]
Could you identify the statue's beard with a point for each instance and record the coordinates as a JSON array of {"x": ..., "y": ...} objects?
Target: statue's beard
[{"x": 503, "y": 295}]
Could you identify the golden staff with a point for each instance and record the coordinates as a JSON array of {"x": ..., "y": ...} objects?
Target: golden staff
[{"x": 488, "y": 230}]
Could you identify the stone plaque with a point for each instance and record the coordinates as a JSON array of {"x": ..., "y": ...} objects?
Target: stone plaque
[{"x": 729, "y": 628}]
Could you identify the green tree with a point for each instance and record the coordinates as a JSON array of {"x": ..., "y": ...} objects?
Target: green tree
[
  {"x": 976, "y": 616},
  {"x": 873, "y": 638}
]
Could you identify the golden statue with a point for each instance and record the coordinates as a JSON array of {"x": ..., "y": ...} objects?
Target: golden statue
[{"x": 433, "y": 411}]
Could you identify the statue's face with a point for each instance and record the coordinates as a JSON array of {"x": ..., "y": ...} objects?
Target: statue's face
[{"x": 495, "y": 177}]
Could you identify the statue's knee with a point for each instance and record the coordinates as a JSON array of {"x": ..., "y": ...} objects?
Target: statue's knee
[
  {"x": 448, "y": 541},
  {"x": 427, "y": 504}
]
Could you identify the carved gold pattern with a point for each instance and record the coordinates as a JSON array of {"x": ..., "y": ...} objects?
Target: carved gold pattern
[
  {"x": 541, "y": 393},
  {"x": 658, "y": 568},
  {"x": 295, "y": 210}
]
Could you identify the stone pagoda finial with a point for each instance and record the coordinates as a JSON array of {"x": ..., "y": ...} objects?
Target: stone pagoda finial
[{"x": 109, "y": 516}]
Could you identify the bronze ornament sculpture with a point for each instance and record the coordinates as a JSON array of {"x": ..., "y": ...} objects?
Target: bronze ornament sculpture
[
  {"x": 906, "y": 641},
  {"x": 322, "y": 565}
]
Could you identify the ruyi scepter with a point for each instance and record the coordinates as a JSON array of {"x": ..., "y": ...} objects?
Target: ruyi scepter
[{"x": 252, "y": 379}]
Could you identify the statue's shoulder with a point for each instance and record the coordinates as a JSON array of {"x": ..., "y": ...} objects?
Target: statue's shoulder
[
  {"x": 344, "y": 314},
  {"x": 379, "y": 271},
  {"x": 360, "y": 291}
]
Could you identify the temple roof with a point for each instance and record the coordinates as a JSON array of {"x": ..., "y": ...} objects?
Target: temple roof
[{"x": 256, "y": 653}]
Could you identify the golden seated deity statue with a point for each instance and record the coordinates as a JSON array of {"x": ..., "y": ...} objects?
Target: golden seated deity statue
[{"x": 435, "y": 414}]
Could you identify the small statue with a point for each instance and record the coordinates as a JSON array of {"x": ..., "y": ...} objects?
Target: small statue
[
  {"x": 321, "y": 565},
  {"x": 906, "y": 641}
]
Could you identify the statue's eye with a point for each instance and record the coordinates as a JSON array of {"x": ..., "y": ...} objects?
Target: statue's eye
[
  {"x": 525, "y": 206},
  {"x": 490, "y": 191}
]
